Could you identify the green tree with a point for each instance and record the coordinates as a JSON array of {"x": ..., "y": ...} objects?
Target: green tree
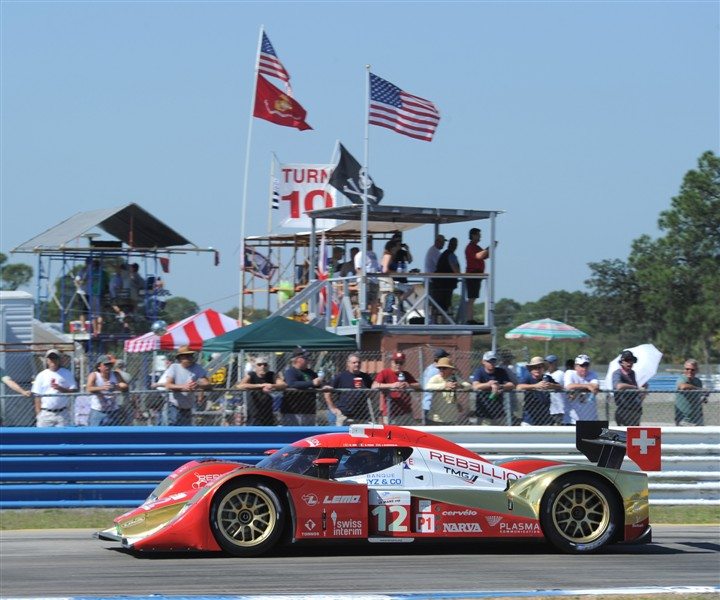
[
  {"x": 13, "y": 275},
  {"x": 178, "y": 308},
  {"x": 667, "y": 291}
]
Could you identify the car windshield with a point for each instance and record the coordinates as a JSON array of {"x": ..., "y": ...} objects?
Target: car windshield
[{"x": 292, "y": 459}]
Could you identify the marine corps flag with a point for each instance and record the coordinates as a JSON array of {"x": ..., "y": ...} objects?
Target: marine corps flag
[
  {"x": 277, "y": 107},
  {"x": 352, "y": 180}
]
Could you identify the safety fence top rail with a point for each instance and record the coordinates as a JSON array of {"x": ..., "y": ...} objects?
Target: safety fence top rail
[{"x": 118, "y": 466}]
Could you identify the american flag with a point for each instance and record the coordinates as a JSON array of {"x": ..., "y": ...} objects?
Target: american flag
[
  {"x": 395, "y": 109},
  {"x": 269, "y": 64}
]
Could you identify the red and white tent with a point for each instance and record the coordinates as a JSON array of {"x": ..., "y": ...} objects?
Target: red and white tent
[{"x": 188, "y": 332}]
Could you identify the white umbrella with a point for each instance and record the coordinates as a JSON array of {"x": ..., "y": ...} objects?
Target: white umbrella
[{"x": 648, "y": 360}]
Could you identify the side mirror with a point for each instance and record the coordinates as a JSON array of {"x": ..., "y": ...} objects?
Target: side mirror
[{"x": 323, "y": 465}]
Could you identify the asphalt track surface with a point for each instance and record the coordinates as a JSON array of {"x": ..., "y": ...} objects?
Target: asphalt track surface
[{"x": 70, "y": 562}]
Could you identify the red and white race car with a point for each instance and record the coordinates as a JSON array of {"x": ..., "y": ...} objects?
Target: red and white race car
[{"x": 394, "y": 484}]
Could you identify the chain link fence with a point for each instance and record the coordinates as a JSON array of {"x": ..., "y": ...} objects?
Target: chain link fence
[{"x": 147, "y": 404}]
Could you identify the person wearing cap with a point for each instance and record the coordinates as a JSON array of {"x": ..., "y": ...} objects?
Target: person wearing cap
[
  {"x": 49, "y": 389},
  {"x": 628, "y": 397},
  {"x": 581, "y": 385},
  {"x": 184, "y": 379},
  {"x": 448, "y": 407},
  {"x": 430, "y": 371},
  {"x": 491, "y": 382},
  {"x": 345, "y": 401},
  {"x": 299, "y": 403},
  {"x": 475, "y": 257},
  {"x": 395, "y": 385},
  {"x": 261, "y": 382},
  {"x": 557, "y": 399},
  {"x": 537, "y": 385},
  {"x": 104, "y": 383}
]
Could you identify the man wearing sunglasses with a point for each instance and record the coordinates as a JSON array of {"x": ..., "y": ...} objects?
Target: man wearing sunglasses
[
  {"x": 689, "y": 399},
  {"x": 628, "y": 397},
  {"x": 260, "y": 381}
]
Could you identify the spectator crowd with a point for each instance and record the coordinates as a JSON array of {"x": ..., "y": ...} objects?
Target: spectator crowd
[{"x": 538, "y": 392}]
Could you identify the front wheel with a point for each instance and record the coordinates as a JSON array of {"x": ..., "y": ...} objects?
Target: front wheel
[
  {"x": 246, "y": 517},
  {"x": 580, "y": 514}
]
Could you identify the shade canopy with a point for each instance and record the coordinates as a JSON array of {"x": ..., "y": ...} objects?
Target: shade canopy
[
  {"x": 278, "y": 334},
  {"x": 546, "y": 330}
]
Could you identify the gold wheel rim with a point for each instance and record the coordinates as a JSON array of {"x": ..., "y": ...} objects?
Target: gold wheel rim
[
  {"x": 247, "y": 517},
  {"x": 581, "y": 514}
]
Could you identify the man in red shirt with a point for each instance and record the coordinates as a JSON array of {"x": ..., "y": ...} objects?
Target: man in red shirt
[
  {"x": 396, "y": 404},
  {"x": 475, "y": 260}
]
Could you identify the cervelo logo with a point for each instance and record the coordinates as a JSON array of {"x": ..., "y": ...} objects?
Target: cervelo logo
[
  {"x": 459, "y": 513},
  {"x": 461, "y": 528},
  {"x": 341, "y": 499}
]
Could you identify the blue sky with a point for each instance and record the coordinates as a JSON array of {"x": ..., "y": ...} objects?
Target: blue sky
[{"x": 578, "y": 119}]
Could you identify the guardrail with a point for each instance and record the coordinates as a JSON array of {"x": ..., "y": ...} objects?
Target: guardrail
[{"x": 120, "y": 466}]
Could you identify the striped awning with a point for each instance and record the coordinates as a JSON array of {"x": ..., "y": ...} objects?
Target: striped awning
[{"x": 188, "y": 332}]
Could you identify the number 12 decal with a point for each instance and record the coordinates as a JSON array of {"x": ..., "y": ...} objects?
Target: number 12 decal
[{"x": 391, "y": 518}]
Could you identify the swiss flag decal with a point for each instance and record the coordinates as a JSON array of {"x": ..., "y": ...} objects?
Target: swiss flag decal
[{"x": 643, "y": 447}]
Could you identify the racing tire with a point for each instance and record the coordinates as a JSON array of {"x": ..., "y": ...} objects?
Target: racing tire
[
  {"x": 246, "y": 517},
  {"x": 580, "y": 514}
]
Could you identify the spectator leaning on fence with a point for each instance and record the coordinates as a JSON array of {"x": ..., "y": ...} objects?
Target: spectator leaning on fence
[
  {"x": 581, "y": 386},
  {"x": 299, "y": 399},
  {"x": 491, "y": 382},
  {"x": 349, "y": 403},
  {"x": 261, "y": 382},
  {"x": 448, "y": 406},
  {"x": 628, "y": 397},
  {"x": 537, "y": 385},
  {"x": 52, "y": 406},
  {"x": 184, "y": 379},
  {"x": 430, "y": 371},
  {"x": 689, "y": 398},
  {"x": 395, "y": 383},
  {"x": 104, "y": 383}
]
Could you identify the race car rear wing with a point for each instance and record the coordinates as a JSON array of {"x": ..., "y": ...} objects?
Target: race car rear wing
[{"x": 607, "y": 447}]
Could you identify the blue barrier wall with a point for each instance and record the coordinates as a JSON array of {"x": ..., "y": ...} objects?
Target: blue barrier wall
[{"x": 118, "y": 466}]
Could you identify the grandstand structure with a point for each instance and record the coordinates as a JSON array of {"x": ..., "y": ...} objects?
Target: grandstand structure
[{"x": 75, "y": 262}]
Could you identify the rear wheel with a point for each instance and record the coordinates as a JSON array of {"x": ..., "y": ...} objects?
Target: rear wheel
[
  {"x": 246, "y": 517},
  {"x": 580, "y": 514}
]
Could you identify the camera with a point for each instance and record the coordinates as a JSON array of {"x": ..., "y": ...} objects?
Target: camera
[{"x": 548, "y": 378}]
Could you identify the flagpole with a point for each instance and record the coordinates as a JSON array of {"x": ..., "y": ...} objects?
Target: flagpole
[
  {"x": 245, "y": 183},
  {"x": 364, "y": 219}
]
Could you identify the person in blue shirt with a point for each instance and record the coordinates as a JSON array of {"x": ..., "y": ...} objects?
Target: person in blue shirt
[{"x": 491, "y": 382}]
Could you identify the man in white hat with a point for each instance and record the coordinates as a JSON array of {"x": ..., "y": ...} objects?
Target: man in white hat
[
  {"x": 537, "y": 386},
  {"x": 184, "y": 379},
  {"x": 581, "y": 385},
  {"x": 52, "y": 406},
  {"x": 448, "y": 406}
]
